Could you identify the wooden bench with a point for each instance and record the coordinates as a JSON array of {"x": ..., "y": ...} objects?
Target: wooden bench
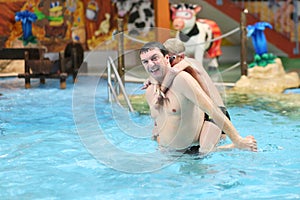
[{"x": 37, "y": 66}]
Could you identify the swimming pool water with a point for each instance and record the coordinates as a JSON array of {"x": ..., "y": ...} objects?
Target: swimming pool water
[{"x": 42, "y": 155}]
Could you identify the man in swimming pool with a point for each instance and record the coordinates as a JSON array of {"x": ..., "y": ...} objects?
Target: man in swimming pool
[
  {"x": 210, "y": 133},
  {"x": 184, "y": 101},
  {"x": 180, "y": 62}
]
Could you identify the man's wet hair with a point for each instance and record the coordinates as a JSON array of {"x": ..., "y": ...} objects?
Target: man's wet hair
[{"x": 152, "y": 45}]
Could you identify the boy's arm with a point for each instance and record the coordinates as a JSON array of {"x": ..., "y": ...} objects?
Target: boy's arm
[{"x": 189, "y": 87}]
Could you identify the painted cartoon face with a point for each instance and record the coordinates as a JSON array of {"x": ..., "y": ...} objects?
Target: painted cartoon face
[
  {"x": 71, "y": 5},
  {"x": 55, "y": 9},
  {"x": 124, "y": 6},
  {"x": 184, "y": 15}
]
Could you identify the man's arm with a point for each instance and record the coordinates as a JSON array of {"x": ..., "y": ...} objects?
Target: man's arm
[
  {"x": 186, "y": 85},
  {"x": 206, "y": 82},
  {"x": 150, "y": 97}
]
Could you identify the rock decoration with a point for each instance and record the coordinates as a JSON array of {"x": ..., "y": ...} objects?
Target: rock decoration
[{"x": 269, "y": 79}]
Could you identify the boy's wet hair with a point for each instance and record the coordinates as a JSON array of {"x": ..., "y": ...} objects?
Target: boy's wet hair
[
  {"x": 174, "y": 46},
  {"x": 152, "y": 45}
]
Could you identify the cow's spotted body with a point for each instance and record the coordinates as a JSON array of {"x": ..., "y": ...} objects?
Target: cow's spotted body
[
  {"x": 196, "y": 33},
  {"x": 140, "y": 15}
]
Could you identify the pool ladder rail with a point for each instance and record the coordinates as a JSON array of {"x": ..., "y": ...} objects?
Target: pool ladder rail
[{"x": 115, "y": 86}]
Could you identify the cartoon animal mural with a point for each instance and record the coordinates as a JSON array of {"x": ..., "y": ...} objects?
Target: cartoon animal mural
[
  {"x": 284, "y": 16},
  {"x": 76, "y": 10},
  {"x": 91, "y": 15},
  {"x": 140, "y": 15},
  {"x": 52, "y": 15},
  {"x": 104, "y": 26},
  {"x": 27, "y": 18},
  {"x": 89, "y": 22},
  {"x": 197, "y": 33}
]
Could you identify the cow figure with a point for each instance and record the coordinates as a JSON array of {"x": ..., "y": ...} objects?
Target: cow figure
[
  {"x": 197, "y": 33},
  {"x": 140, "y": 15}
]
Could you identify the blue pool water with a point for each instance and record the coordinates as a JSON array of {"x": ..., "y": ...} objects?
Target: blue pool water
[{"x": 62, "y": 144}]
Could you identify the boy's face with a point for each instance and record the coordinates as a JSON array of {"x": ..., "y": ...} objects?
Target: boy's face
[{"x": 174, "y": 59}]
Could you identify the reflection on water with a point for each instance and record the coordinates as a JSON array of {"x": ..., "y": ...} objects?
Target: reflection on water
[{"x": 283, "y": 104}]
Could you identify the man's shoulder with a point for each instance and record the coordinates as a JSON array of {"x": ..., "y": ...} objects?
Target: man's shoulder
[
  {"x": 184, "y": 82},
  {"x": 182, "y": 65},
  {"x": 183, "y": 75}
]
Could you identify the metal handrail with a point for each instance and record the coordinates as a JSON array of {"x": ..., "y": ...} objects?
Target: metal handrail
[{"x": 111, "y": 89}]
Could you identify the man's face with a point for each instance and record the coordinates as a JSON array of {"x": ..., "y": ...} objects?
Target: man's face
[{"x": 155, "y": 63}]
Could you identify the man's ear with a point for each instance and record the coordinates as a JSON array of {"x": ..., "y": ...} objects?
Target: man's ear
[{"x": 167, "y": 56}]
